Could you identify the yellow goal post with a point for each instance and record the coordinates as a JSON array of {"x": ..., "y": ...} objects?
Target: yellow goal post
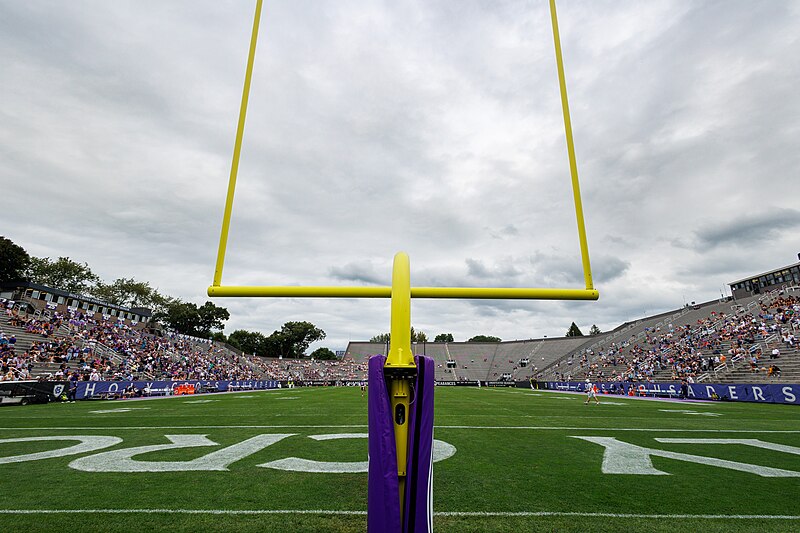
[{"x": 400, "y": 359}]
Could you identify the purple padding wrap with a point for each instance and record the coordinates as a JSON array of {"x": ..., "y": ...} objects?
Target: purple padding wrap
[
  {"x": 419, "y": 485},
  {"x": 383, "y": 503}
]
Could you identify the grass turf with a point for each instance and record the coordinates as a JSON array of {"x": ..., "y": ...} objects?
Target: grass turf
[{"x": 515, "y": 454}]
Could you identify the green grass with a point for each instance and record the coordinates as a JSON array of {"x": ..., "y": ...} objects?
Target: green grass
[{"x": 515, "y": 454}]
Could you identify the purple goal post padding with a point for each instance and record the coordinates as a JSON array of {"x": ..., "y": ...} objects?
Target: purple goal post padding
[{"x": 383, "y": 502}]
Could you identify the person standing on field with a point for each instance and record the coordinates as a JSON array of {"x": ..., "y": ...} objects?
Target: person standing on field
[{"x": 590, "y": 393}]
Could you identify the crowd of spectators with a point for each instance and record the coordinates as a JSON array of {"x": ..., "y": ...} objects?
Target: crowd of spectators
[
  {"x": 93, "y": 349},
  {"x": 684, "y": 352},
  {"x": 310, "y": 370}
]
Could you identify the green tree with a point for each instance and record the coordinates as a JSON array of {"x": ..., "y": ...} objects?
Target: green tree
[
  {"x": 444, "y": 337},
  {"x": 63, "y": 273},
  {"x": 323, "y": 354},
  {"x": 189, "y": 319},
  {"x": 418, "y": 336},
  {"x": 250, "y": 342},
  {"x": 574, "y": 331},
  {"x": 484, "y": 338},
  {"x": 293, "y": 339},
  {"x": 14, "y": 261},
  {"x": 211, "y": 318},
  {"x": 180, "y": 316},
  {"x": 594, "y": 330},
  {"x": 382, "y": 338},
  {"x": 126, "y": 292}
]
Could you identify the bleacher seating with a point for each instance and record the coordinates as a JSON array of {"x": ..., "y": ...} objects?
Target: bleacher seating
[{"x": 718, "y": 341}]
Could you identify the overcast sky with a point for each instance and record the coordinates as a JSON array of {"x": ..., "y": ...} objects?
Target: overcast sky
[{"x": 431, "y": 127}]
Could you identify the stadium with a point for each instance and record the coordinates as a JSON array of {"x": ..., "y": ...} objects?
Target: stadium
[{"x": 429, "y": 127}]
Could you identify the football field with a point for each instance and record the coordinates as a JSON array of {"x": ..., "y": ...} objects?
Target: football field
[{"x": 295, "y": 460}]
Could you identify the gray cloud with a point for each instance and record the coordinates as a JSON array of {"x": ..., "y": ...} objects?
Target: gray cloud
[
  {"x": 748, "y": 228},
  {"x": 360, "y": 273}
]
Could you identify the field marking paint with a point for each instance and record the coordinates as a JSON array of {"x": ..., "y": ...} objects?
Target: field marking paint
[
  {"x": 122, "y": 460},
  {"x": 201, "y": 401},
  {"x": 624, "y": 458},
  {"x": 632, "y": 398},
  {"x": 456, "y": 514},
  {"x": 88, "y": 443},
  {"x": 287, "y": 398},
  {"x": 671, "y": 430},
  {"x": 689, "y": 412},
  {"x": 332, "y": 436},
  {"x": 353, "y": 426},
  {"x": 745, "y": 442},
  {"x": 441, "y": 451},
  {"x": 118, "y": 410}
]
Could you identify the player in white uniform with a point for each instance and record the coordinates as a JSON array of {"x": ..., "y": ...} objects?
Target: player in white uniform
[{"x": 590, "y": 393}]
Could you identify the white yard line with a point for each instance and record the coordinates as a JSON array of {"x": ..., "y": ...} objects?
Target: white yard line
[
  {"x": 458, "y": 514},
  {"x": 345, "y": 426}
]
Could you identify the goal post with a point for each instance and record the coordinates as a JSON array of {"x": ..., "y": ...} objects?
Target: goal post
[{"x": 400, "y": 373}]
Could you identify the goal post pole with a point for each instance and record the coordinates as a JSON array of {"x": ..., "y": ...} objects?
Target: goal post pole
[{"x": 400, "y": 369}]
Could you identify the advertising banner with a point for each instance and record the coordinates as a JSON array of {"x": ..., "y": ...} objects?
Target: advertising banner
[
  {"x": 448, "y": 383},
  {"x": 739, "y": 392},
  {"x": 104, "y": 389}
]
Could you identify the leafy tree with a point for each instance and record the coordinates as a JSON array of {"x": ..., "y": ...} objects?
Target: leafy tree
[
  {"x": 63, "y": 273},
  {"x": 126, "y": 292},
  {"x": 160, "y": 303},
  {"x": 14, "y": 261},
  {"x": 484, "y": 338},
  {"x": 180, "y": 316},
  {"x": 444, "y": 337},
  {"x": 293, "y": 339},
  {"x": 418, "y": 336},
  {"x": 594, "y": 330},
  {"x": 211, "y": 318},
  {"x": 323, "y": 354},
  {"x": 574, "y": 331},
  {"x": 251, "y": 342},
  {"x": 219, "y": 336},
  {"x": 187, "y": 318}
]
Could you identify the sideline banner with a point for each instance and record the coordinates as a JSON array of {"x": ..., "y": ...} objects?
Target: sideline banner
[
  {"x": 784, "y": 393},
  {"x": 98, "y": 389}
]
